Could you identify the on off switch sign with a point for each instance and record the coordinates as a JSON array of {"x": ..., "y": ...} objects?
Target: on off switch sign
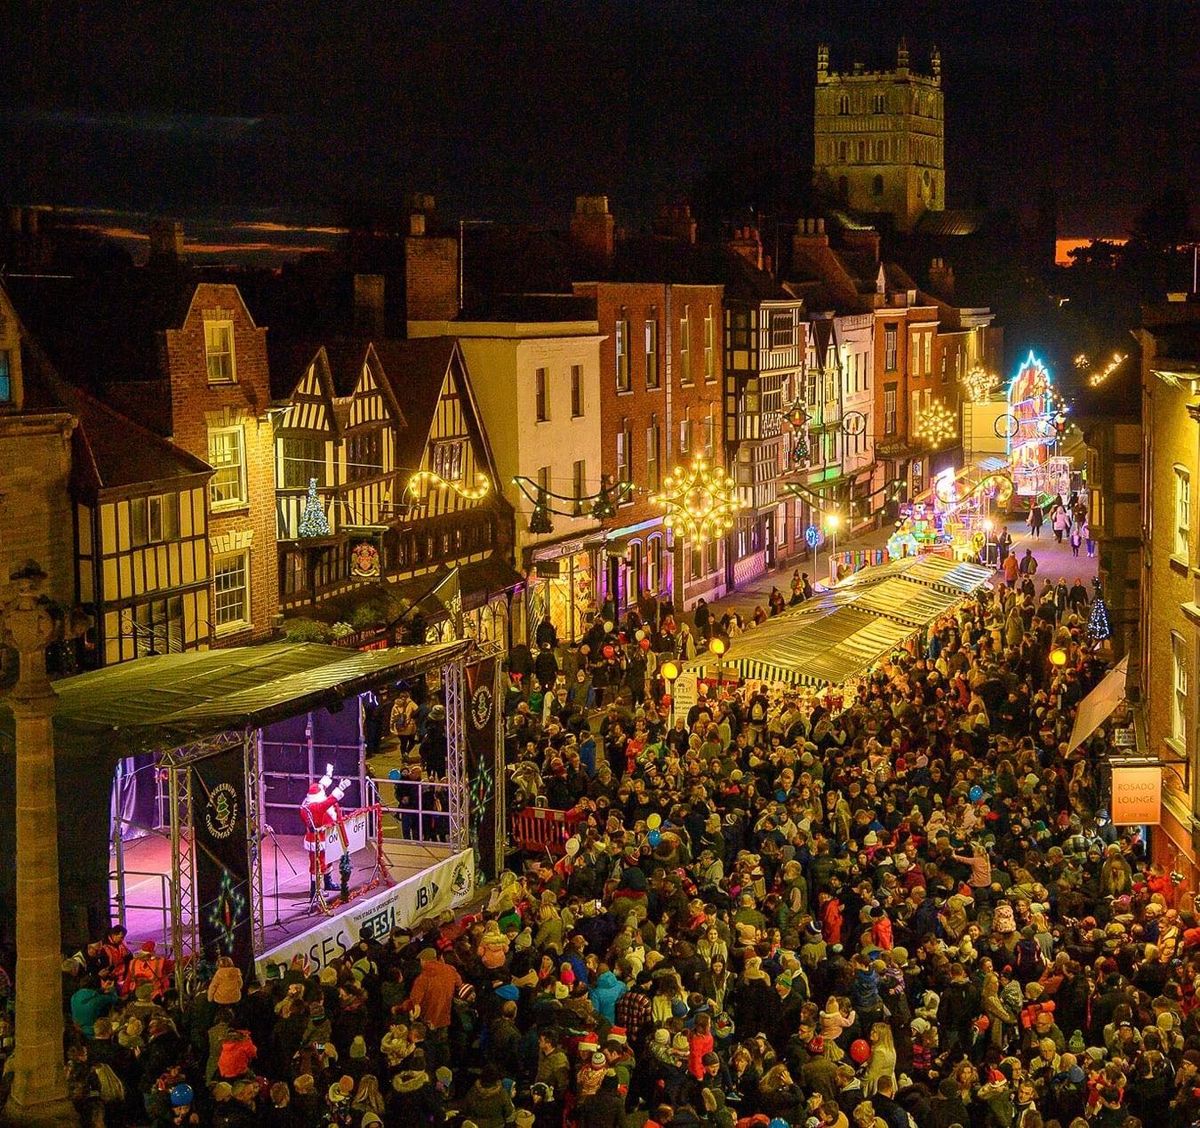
[{"x": 1136, "y": 796}]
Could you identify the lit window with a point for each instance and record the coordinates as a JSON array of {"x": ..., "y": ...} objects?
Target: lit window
[
  {"x": 685, "y": 346},
  {"x": 153, "y": 519},
  {"x": 685, "y": 431},
  {"x": 651, "y": 353},
  {"x": 1183, "y": 512},
  {"x": 303, "y": 458},
  {"x": 889, "y": 410},
  {"x": 541, "y": 379},
  {"x": 889, "y": 347},
  {"x": 1179, "y": 667},
  {"x": 928, "y": 354},
  {"x": 226, "y": 455},
  {"x": 576, "y": 390},
  {"x": 579, "y": 483},
  {"x": 231, "y": 573},
  {"x": 218, "y": 352},
  {"x": 448, "y": 460},
  {"x": 652, "y": 442},
  {"x": 709, "y": 352},
  {"x": 622, "y": 347},
  {"x": 5, "y": 376},
  {"x": 653, "y": 563}
]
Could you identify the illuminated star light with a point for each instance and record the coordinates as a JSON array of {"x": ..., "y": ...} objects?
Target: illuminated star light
[
  {"x": 699, "y": 500},
  {"x": 936, "y": 424}
]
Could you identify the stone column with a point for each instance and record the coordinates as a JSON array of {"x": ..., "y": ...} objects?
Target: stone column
[{"x": 39, "y": 1092}]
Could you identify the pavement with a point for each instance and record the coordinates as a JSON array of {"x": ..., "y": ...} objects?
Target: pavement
[{"x": 1055, "y": 562}]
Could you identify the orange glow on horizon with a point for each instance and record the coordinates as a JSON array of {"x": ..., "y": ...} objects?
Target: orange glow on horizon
[{"x": 1064, "y": 247}]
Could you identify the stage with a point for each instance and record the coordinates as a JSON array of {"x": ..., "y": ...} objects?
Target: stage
[{"x": 286, "y": 915}]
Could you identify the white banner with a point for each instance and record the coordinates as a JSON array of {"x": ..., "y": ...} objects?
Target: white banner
[
  {"x": 446, "y": 885},
  {"x": 356, "y": 835},
  {"x": 684, "y": 694}
]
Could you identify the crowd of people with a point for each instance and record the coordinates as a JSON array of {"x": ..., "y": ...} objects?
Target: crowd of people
[{"x": 899, "y": 904}]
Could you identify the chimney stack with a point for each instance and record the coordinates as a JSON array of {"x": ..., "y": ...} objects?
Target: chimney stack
[
  {"x": 941, "y": 278},
  {"x": 676, "y": 222},
  {"x": 368, "y": 306},
  {"x": 592, "y": 227},
  {"x": 810, "y": 233},
  {"x": 747, "y": 242},
  {"x": 166, "y": 242},
  {"x": 864, "y": 240},
  {"x": 430, "y": 268}
]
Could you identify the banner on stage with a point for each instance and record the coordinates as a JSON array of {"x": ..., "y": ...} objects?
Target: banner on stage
[
  {"x": 356, "y": 835},
  {"x": 444, "y": 886},
  {"x": 222, "y": 861}
]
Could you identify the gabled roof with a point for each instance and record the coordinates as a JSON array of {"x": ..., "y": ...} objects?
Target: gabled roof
[
  {"x": 416, "y": 370},
  {"x": 111, "y": 450}
]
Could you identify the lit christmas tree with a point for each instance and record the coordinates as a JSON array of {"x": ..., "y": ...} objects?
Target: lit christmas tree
[
  {"x": 1098, "y": 627},
  {"x": 800, "y": 451},
  {"x": 313, "y": 522}
]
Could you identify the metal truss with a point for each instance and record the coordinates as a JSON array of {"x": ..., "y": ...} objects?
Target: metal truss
[
  {"x": 200, "y": 749},
  {"x": 252, "y": 751},
  {"x": 184, "y": 925},
  {"x": 456, "y": 774}
]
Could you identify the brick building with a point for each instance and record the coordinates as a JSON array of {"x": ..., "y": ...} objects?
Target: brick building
[{"x": 662, "y": 367}]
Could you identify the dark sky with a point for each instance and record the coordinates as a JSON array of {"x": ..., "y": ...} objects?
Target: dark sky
[{"x": 508, "y": 110}]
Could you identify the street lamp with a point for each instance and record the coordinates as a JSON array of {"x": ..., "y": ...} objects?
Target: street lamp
[
  {"x": 670, "y": 671},
  {"x": 832, "y": 521},
  {"x": 717, "y": 646}
]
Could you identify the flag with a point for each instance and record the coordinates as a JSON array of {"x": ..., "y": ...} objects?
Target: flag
[{"x": 449, "y": 595}]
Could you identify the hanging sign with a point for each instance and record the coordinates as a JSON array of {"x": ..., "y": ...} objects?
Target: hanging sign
[{"x": 1136, "y": 796}]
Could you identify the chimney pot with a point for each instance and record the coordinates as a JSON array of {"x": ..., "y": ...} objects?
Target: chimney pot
[{"x": 416, "y": 224}]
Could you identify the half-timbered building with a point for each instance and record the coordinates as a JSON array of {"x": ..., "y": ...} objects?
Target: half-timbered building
[{"x": 387, "y": 436}]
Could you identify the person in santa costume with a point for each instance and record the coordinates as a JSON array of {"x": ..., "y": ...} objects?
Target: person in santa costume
[{"x": 319, "y": 811}]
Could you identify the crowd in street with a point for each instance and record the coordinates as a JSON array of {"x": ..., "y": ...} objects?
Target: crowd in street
[{"x": 899, "y": 904}]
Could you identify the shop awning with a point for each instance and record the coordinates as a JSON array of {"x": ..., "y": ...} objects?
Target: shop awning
[
  {"x": 818, "y": 645},
  {"x": 1098, "y": 705}
]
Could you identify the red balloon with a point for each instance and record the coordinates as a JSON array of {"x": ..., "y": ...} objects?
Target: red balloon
[
  {"x": 608, "y": 651},
  {"x": 860, "y": 1050},
  {"x": 644, "y": 644}
]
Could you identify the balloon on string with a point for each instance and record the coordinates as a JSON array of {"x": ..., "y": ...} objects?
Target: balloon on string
[
  {"x": 571, "y": 846},
  {"x": 608, "y": 624},
  {"x": 654, "y": 821},
  {"x": 860, "y": 1050},
  {"x": 608, "y": 650},
  {"x": 975, "y": 794},
  {"x": 639, "y": 635},
  {"x": 654, "y": 837},
  {"x": 644, "y": 643}
]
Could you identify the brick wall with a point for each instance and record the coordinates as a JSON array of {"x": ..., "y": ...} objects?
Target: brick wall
[
  {"x": 197, "y": 406},
  {"x": 431, "y": 278}
]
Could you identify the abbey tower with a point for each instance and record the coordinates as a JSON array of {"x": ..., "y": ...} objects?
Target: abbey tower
[{"x": 879, "y": 137}]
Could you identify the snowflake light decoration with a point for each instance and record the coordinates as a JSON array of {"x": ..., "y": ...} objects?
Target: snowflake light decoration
[
  {"x": 978, "y": 384},
  {"x": 698, "y": 501},
  {"x": 936, "y": 424}
]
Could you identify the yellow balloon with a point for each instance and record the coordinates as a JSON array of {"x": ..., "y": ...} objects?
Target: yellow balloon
[{"x": 654, "y": 821}]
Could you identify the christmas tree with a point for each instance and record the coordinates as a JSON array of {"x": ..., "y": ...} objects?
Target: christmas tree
[
  {"x": 1098, "y": 627},
  {"x": 313, "y": 522}
]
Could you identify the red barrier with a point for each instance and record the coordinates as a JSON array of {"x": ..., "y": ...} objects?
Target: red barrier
[{"x": 540, "y": 829}]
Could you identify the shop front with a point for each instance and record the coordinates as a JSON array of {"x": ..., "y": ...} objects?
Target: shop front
[{"x": 562, "y": 587}]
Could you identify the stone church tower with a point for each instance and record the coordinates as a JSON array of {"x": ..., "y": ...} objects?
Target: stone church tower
[{"x": 879, "y": 137}]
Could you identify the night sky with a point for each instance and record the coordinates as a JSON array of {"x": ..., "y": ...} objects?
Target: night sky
[{"x": 272, "y": 111}]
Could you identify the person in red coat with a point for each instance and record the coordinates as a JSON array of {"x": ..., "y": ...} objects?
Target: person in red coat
[{"x": 318, "y": 812}]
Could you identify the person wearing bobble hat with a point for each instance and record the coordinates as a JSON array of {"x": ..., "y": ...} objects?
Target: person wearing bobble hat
[{"x": 319, "y": 811}]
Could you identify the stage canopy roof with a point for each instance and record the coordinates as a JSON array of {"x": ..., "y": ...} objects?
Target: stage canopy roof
[{"x": 173, "y": 699}]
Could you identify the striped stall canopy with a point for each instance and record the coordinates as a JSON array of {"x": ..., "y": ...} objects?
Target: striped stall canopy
[
  {"x": 958, "y": 576},
  {"x": 825, "y": 647},
  {"x": 866, "y": 577},
  {"x": 902, "y": 599}
]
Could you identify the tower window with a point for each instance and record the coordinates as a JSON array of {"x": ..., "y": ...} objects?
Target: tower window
[
  {"x": 880, "y": 103},
  {"x": 844, "y": 104},
  {"x": 843, "y": 151},
  {"x": 877, "y": 185},
  {"x": 862, "y": 152}
]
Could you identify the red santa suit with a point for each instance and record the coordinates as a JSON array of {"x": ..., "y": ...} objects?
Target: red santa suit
[{"x": 319, "y": 811}]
